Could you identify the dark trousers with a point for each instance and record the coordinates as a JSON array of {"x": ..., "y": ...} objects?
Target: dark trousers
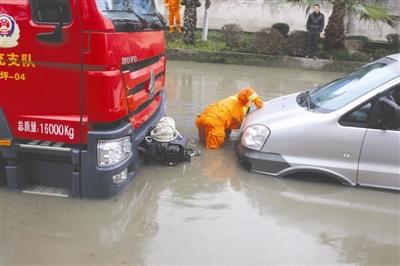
[{"x": 313, "y": 40}]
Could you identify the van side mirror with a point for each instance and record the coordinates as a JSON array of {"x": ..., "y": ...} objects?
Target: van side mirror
[
  {"x": 57, "y": 35},
  {"x": 389, "y": 117}
]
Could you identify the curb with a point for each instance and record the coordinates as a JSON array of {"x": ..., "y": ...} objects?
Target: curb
[{"x": 261, "y": 60}]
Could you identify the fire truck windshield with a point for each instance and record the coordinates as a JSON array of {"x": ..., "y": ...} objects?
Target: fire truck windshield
[{"x": 131, "y": 15}]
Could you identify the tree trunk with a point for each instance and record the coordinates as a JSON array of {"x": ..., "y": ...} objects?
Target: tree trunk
[
  {"x": 205, "y": 25},
  {"x": 334, "y": 32}
]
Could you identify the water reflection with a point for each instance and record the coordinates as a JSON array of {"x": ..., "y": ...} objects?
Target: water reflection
[{"x": 209, "y": 211}]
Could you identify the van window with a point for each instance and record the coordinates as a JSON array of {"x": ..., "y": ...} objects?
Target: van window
[
  {"x": 51, "y": 11},
  {"x": 389, "y": 115},
  {"x": 358, "y": 117},
  {"x": 343, "y": 91}
]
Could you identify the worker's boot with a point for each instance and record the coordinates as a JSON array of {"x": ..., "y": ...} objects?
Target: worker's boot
[
  {"x": 179, "y": 28},
  {"x": 171, "y": 29}
]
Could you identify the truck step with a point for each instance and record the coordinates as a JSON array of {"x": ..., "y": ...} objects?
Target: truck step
[
  {"x": 48, "y": 191},
  {"x": 45, "y": 146}
]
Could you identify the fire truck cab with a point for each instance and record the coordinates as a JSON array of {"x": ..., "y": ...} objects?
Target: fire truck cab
[{"x": 81, "y": 84}]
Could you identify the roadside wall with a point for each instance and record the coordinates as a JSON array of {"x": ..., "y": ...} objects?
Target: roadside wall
[{"x": 255, "y": 14}]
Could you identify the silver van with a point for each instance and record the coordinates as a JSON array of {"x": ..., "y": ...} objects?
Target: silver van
[{"x": 348, "y": 129}]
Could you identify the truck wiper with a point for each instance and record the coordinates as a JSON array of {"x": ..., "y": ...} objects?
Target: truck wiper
[
  {"x": 115, "y": 10},
  {"x": 128, "y": 10},
  {"x": 159, "y": 16},
  {"x": 144, "y": 22}
]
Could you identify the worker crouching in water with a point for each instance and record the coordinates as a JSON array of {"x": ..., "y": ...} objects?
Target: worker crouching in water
[
  {"x": 174, "y": 16},
  {"x": 221, "y": 117}
]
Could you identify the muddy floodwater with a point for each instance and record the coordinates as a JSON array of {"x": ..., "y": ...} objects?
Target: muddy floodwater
[{"x": 209, "y": 211}]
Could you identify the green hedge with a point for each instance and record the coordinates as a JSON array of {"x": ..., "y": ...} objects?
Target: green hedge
[{"x": 294, "y": 44}]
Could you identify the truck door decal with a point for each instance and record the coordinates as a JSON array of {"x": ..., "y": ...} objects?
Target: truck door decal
[
  {"x": 15, "y": 60},
  {"x": 9, "y": 31}
]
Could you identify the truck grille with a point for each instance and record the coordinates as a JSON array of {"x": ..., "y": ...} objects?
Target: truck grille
[
  {"x": 142, "y": 86},
  {"x": 144, "y": 81}
]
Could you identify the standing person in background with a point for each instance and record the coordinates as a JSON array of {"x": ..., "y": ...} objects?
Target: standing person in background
[
  {"x": 315, "y": 25},
  {"x": 190, "y": 19},
  {"x": 174, "y": 16}
]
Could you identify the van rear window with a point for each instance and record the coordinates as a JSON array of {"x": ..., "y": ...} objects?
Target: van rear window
[{"x": 51, "y": 11}]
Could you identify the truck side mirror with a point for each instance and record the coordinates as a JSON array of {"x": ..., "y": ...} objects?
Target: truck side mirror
[
  {"x": 54, "y": 37},
  {"x": 57, "y": 35},
  {"x": 389, "y": 117}
]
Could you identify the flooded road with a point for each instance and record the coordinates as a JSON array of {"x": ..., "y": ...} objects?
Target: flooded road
[{"x": 209, "y": 211}]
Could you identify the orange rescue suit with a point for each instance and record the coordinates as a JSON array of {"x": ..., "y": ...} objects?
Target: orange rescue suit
[
  {"x": 225, "y": 115},
  {"x": 174, "y": 15}
]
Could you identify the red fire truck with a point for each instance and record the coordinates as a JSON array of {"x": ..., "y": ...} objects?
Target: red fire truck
[{"x": 81, "y": 84}]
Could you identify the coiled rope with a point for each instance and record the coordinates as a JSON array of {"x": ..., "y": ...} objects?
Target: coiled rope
[{"x": 165, "y": 130}]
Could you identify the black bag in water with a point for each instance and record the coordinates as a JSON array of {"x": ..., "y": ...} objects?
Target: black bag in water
[{"x": 168, "y": 153}]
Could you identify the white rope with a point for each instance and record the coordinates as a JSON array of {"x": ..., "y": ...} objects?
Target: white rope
[{"x": 165, "y": 130}]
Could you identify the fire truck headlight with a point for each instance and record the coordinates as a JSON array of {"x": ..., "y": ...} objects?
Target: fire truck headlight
[{"x": 111, "y": 152}]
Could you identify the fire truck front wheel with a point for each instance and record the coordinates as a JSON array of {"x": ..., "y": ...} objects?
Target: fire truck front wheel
[{"x": 2, "y": 173}]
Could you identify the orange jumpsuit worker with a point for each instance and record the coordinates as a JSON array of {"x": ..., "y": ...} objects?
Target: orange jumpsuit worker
[
  {"x": 174, "y": 15},
  {"x": 225, "y": 115}
]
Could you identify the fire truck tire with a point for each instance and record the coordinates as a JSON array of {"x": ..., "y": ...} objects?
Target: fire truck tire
[{"x": 3, "y": 180}]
